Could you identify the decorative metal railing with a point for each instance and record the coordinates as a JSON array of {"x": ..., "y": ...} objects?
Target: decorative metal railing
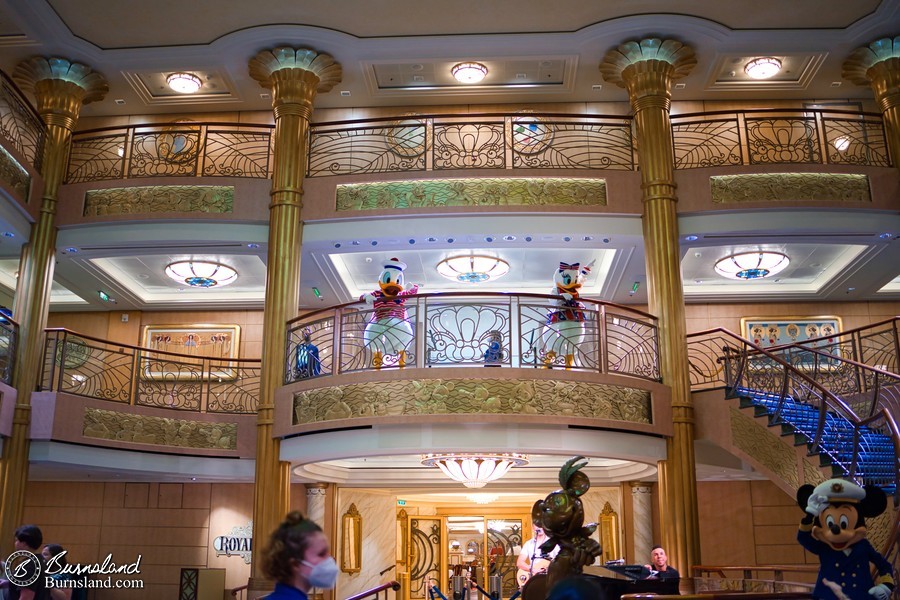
[
  {"x": 20, "y": 123},
  {"x": 86, "y": 366},
  {"x": 779, "y": 136},
  {"x": 720, "y": 358},
  {"x": 480, "y": 141},
  {"x": 9, "y": 339},
  {"x": 181, "y": 149},
  {"x": 496, "y": 141},
  {"x": 473, "y": 329}
]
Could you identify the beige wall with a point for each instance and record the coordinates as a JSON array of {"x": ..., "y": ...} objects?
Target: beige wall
[
  {"x": 379, "y": 527},
  {"x": 171, "y": 525}
]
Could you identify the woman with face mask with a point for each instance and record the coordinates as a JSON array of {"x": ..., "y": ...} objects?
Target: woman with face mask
[{"x": 298, "y": 557}]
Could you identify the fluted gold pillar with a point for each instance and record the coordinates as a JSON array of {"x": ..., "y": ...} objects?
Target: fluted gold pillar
[
  {"x": 294, "y": 76},
  {"x": 878, "y": 65},
  {"x": 646, "y": 69},
  {"x": 60, "y": 88}
]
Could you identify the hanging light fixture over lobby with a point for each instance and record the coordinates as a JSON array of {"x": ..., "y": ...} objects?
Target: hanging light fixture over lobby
[
  {"x": 763, "y": 68},
  {"x": 201, "y": 273},
  {"x": 184, "y": 83},
  {"x": 752, "y": 265},
  {"x": 469, "y": 72},
  {"x": 473, "y": 268},
  {"x": 475, "y": 470}
]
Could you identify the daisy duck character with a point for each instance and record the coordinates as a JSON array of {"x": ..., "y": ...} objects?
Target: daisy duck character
[
  {"x": 389, "y": 330},
  {"x": 565, "y": 324}
]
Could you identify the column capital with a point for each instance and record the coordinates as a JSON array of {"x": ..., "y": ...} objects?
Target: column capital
[
  {"x": 640, "y": 487},
  {"x": 60, "y": 86},
  {"x": 647, "y": 67},
  {"x": 295, "y": 75},
  {"x": 877, "y": 65},
  {"x": 315, "y": 489}
]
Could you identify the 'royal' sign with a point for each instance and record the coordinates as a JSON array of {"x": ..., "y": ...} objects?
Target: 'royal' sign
[{"x": 237, "y": 543}]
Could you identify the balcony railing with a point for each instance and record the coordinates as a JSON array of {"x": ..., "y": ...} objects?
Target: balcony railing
[
  {"x": 20, "y": 123},
  {"x": 86, "y": 366},
  {"x": 182, "y": 149},
  {"x": 474, "y": 329}
]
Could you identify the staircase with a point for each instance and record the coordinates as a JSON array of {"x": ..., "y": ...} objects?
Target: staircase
[{"x": 843, "y": 411}]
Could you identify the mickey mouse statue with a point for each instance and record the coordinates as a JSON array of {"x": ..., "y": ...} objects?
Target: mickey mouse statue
[{"x": 834, "y": 529}]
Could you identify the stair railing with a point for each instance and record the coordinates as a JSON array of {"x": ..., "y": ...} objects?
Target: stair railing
[
  {"x": 376, "y": 591},
  {"x": 720, "y": 358}
]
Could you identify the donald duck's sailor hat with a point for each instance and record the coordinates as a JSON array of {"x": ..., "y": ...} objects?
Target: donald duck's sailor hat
[{"x": 395, "y": 263}]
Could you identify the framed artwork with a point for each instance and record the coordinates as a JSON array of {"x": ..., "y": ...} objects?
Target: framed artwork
[
  {"x": 776, "y": 331},
  {"x": 216, "y": 343}
]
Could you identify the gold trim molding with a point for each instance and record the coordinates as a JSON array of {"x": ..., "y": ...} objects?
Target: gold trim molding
[
  {"x": 159, "y": 431},
  {"x": 485, "y": 396},
  {"x": 440, "y": 193},
  {"x": 159, "y": 199},
  {"x": 790, "y": 187},
  {"x": 758, "y": 443},
  {"x": 14, "y": 174}
]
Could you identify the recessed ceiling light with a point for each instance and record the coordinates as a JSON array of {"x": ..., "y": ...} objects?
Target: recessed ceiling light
[
  {"x": 509, "y": 238},
  {"x": 9, "y": 234},
  {"x": 184, "y": 83},
  {"x": 763, "y": 67},
  {"x": 345, "y": 93},
  {"x": 691, "y": 238},
  {"x": 885, "y": 236},
  {"x": 469, "y": 72},
  {"x": 253, "y": 246},
  {"x": 72, "y": 250}
]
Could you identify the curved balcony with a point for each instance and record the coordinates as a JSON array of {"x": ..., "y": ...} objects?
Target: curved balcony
[{"x": 492, "y": 356}]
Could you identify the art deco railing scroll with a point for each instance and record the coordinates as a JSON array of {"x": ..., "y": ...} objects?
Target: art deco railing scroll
[
  {"x": 478, "y": 141},
  {"x": 87, "y": 366},
  {"x": 779, "y": 136},
  {"x": 9, "y": 337},
  {"x": 720, "y": 358},
  {"x": 473, "y": 329},
  {"x": 180, "y": 149},
  {"x": 20, "y": 123}
]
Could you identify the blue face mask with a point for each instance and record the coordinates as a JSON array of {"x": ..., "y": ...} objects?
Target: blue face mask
[{"x": 322, "y": 575}]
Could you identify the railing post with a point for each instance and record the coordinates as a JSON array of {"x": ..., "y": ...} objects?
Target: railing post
[
  {"x": 604, "y": 341},
  {"x": 420, "y": 333},
  {"x": 135, "y": 378},
  {"x": 515, "y": 332},
  {"x": 336, "y": 346},
  {"x": 62, "y": 360},
  {"x": 896, "y": 365}
]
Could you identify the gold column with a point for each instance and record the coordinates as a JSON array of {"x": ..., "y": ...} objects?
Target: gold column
[
  {"x": 878, "y": 65},
  {"x": 60, "y": 88},
  {"x": 646, "y": 69},
  {"x": 294, "y": 76}
]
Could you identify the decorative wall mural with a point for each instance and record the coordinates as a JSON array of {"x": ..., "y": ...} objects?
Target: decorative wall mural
[
  {"x": 216, "y": 343},
  {"x": 770, "y": 451},
  {"x": 142, "y": 429},
  {"x": 439, "y": 193},
  {"x": 483, "y": 396},
  {"x": 775, "y": 331},
  {"x": 157, "y": 199},
  {"x": 790, "y": 187}
]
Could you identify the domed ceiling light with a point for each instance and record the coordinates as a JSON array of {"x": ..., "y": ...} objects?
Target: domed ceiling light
[
  {"x": 475, "y": 470},
  {"x": 763, "y": 68},
  {"x": 469, "y": 72},
  {"x": 752, "y": 265},
  {"x": 201, "y": 273},
  {"x": 473, "y": 268},
  {"x": 184, "y": 83}
]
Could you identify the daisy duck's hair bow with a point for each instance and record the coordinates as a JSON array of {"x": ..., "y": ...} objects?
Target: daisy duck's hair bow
[{"x": 576, "y": 267}]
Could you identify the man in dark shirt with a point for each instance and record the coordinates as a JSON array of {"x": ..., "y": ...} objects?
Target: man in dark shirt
[
  {"x": 29, "y": 538},
  {"x": 659, "y": 565}
]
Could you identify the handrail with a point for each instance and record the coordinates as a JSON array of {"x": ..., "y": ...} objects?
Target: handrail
[
  {"x": 390, "y": 585},
  {"x": 452, "y": 329},
  {"x": 484, "y": 115},
  {"x": 724, "y": 595},
  {"x": 239, "y": 589},
  {"x": 738, "y": 349},
  {"x": 698, "y": 570}
]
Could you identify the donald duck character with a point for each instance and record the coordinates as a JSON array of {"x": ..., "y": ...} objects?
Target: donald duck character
[
  {"x": 565, "y": 325},
  {"x": 389, "y": 330}
]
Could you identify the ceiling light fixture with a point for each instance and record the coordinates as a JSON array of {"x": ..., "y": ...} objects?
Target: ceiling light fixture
[
  {"x": 475, "y": 470},
  {"x": 201, "y": 273},
  {"x": 473, "y": 268},
  {"x": 184, "y": 83},
  {"x": 469, "y": 72},
  {"x": 763, "y": 68},
  {"x": 841, "y": 143},
  {"x": 482, "y": 498},
  {"x": 752, "y": 265}
]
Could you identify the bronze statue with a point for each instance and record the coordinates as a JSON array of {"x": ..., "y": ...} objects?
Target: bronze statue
[{"x": 561, "y": 514}]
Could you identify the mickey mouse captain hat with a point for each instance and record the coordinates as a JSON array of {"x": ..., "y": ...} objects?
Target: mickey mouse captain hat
[{"x": 834, "y": 490}]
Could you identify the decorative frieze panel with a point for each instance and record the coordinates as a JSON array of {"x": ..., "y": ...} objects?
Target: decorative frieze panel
[
  {"x": 159, "y": 199},
  {"x": 790, "y": 187},
  {"x": 160, "y": 431},
  {"x": 439, "y": 193},
  {"x": 484, "y": 396},
  {"x": 14, "y": 174},
  {"x": 768, "y": 450}
]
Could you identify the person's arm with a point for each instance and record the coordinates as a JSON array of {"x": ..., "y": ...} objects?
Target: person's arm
[
  {"x": 61, "y": 594},
  {"x": 523, "y": 563}
]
